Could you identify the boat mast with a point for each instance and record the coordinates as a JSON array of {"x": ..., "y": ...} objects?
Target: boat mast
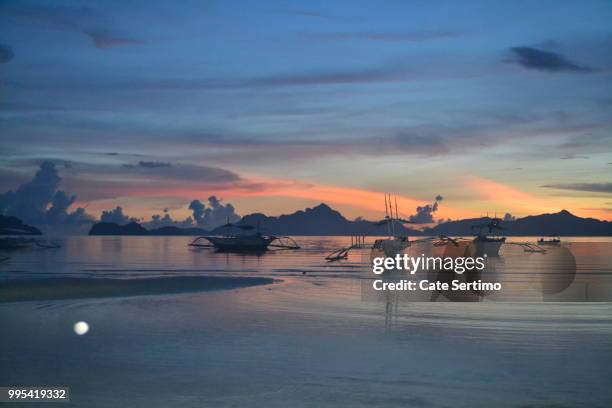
[
  {"x": 396, "y": 213},
  {"x": 387, "y": 217},
  {"x": 392, "y": 219}
]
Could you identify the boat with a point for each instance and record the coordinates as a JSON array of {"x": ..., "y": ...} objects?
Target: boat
[
  {"x": 250, "y": 242},
  {"x": 255, "y": 242},
  {"x": 486, "y": 244},
  {"x": 395, "y": 243},
  {"x": 550, "y": 240},
  {"x": 338, "y": 254},
  {"x": 392, "y": 246}
]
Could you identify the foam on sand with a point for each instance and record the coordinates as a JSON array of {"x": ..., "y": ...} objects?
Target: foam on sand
[{"x": 79, "y": 288}]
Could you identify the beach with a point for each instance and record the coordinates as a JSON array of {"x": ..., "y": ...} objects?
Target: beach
[{"x": 294, "y": 339}]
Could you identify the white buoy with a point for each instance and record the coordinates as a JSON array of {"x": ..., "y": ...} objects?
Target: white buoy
[{"x": 81, "y": 328}]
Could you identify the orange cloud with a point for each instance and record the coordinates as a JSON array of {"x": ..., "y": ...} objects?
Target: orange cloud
[
  {"x": 348, "y": 200},
  {"x": 518, "y": 202},
  {"x": 510, "y": 197}
]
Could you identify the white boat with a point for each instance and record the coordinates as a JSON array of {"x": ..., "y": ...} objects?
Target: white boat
[{"x": 486, "y": 244}]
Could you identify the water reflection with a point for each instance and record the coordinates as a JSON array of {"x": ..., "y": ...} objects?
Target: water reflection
[{"x": 578, "y": 271}]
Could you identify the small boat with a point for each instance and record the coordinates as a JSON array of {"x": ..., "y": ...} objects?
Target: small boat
[
  {"x": 396, "y": 243},
  {"x": 255, "y": 242},
  {"x": 392, "y": 246},
  {"x": 551, "y": 240},
  {"x": 338, "y": 254},
  {"x": 486, "y": 244}
]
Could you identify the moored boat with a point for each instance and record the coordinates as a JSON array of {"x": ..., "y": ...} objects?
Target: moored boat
[
  {"x": 255, "y": 242},
  {"x": 485, "y": 244},
  {"x": 550, "y": 240},
  {"x": 250, "y": 242}
]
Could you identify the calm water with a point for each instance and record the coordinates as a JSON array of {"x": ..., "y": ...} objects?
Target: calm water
[{"x": 307, "y": 340}]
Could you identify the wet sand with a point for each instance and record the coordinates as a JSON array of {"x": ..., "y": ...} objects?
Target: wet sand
[{"x": 82, "y": 288}]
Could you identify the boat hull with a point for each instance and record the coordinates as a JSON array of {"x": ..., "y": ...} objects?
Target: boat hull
[
  {"x": 241, "y": 244},
  {"x": 488, "y": 246},
  {"x": 393, "y": 246}
]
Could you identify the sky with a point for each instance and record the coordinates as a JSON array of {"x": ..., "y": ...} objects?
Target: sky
[{"x": 274, "y": 106}]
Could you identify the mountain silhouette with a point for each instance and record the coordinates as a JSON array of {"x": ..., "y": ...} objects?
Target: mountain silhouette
[
  {"x": 134, "y": 228},
  {"x": 561, "y": 223},
  {"x": 14, "y": 226},
  {"x": 319, "y": 220},
  {"x": 324, "y": 220},
  {"x": 111, "y": 228}
]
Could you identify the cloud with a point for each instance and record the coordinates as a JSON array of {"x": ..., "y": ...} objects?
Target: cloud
[
  {"x": 533, "y": 58},
  {"x": 83, "y": 20},
  {"x": 117, "y": 216},
  {"x": 157, "y": 221},
  {"x": 208, "y": 216},
  {"x": 102, "y": 39},
  {"x": 573, "y": 156},
  {"x": 6, "y": 53},
  {"x": 590, "y": 187},
  {"x": 424, "y": 214},
  {"x": 198, "y": 211},
  {"x": 40, "y": 202},
  {"x": 153, "y": 164},
  {"x": 316, "y": 15},
  {"x": 414, "y": 37},
  {"x": 184, "y": 172},
  {"x": 214, "y": 215}
]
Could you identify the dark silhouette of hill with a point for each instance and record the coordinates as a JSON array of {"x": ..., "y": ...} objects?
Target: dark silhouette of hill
[
  {"x": 561, "y": 223},
  {"x": 177, "y": 231},
  {"x": 111, "y": 228},
  {"x": 134, "y": 228},
  {"x": 319, "y": 220},
  {"x": 14, "y": 226},
  {"x": 323, "y": 220}
]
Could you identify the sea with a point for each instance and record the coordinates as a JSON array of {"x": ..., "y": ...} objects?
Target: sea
[{"x": 169, "y": 328}]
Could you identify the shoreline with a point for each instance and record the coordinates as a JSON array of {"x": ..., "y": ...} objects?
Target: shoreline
[{"x": 86, "y": 288}]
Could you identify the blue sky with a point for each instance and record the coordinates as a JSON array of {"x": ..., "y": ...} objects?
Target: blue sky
[{"x": 277, "y": 105}]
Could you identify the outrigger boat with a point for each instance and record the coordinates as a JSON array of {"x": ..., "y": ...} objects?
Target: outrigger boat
[
  {"x": 396, "y": 243},
  {"x": 256, "y": 242},
  {"x": 551, "y": 240},
  {"x": 487, "y": 244}
]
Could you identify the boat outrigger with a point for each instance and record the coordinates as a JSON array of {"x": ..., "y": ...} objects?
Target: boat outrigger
[{"x": 255, "y": 242}]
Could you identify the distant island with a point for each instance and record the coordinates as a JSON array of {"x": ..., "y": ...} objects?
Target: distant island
[
  {"x": 134, "y": 228},
  {"x": 323, "y": 220},
  {"x": 14, "y": 226}
]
